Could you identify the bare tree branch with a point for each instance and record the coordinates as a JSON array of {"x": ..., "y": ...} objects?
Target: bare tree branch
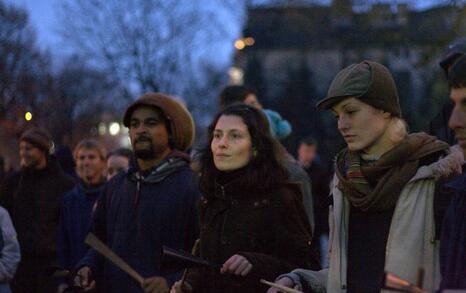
[{"x": 155, "y": 45}]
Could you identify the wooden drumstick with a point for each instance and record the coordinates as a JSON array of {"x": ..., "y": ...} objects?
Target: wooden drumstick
[
  {"x": 193, "y": 252},
  {"x": 281, "y": 287},
  {"x": 103, "y": 249}
]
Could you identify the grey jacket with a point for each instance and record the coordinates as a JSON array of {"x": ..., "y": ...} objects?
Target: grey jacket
[{"x": 10, "y": 252}]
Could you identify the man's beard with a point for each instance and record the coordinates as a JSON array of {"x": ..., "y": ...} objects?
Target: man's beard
[
  {"x": 144, "y": 154},
  {"x": 149, "y": 153}
]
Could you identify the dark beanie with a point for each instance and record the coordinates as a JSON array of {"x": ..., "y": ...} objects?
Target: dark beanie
[
  {"x": 180, "y": 120},
  {"x": 368, "y": 81},
  {"x": 38, "y": 137}
]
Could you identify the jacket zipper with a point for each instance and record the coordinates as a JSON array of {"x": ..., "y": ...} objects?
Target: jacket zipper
[
  {"x": 224, "y": 219},
  {"x": 138, "y": 188}
]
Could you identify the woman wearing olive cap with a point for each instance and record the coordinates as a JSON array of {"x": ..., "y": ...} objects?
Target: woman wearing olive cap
[{"x": 382, "y": 216}]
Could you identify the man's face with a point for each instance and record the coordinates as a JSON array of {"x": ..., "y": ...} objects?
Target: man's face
[
  {"x": 148, "y": 133},
  {"x": 457, "y": 120},
  {"x": 306, "y": 154},
  {"x": 89, "y": 165},
  {"x": 31, "y": 156},
  {"x": 116, "y": 164}
]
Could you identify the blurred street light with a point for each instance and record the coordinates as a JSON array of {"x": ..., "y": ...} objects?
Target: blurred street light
[
  {"x": 242, "y": 43},
  {"x": 249, "y": 41},
  {"x": 114, "y": 128},
  {"x": 236, "y": 75},
  {"x": 239, "y": 44},
  {"x": 28, "y": 116}
]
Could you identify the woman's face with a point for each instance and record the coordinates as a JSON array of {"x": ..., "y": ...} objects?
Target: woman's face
[
  {"x": 231, "y": 143},
  {"x": 362, "y": 126}
]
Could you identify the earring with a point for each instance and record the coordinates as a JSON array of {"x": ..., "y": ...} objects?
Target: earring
[{"x": 254, "y": 152}]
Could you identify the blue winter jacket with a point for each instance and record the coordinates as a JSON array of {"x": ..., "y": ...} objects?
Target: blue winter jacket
[
  {"x": 75, "y": 220},
  {"x": 136, "y": 215}
]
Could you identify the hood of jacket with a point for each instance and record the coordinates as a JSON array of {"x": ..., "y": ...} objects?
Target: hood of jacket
[{"x": 172, "y": 163}]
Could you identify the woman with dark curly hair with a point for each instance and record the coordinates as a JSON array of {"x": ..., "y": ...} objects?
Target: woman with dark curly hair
[{"x": 253, "y": 224}]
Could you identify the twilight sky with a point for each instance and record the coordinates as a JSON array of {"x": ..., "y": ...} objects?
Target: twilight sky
[
  {"x": 43, "y": 18},
  {"x": 42, "y": 15}
]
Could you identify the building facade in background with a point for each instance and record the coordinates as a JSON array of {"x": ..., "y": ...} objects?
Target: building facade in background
[{"x": 299, "y": 48}]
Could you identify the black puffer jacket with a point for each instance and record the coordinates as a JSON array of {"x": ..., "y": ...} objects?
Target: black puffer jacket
[
  {"x": 33, "y": 198},
  {"x": 270, "y": 229}
]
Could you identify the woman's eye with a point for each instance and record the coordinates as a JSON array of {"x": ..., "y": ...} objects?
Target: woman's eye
[{"x": 217, "y": 135}]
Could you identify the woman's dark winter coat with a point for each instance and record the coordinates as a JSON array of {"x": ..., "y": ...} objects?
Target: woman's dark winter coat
[{"x": 269, "y": 229}]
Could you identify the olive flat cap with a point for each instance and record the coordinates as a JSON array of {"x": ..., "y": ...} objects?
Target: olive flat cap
[{"x": 368, "y": 81}]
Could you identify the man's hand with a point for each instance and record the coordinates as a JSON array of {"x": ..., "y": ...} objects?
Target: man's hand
[
  {"x": 86, "y": 282},
  {"x": 155, "y": 285},
  {"x": 236, "y": 265},
  {"x": 181, "y": 288},
  {"x": 287, "y": 282}
]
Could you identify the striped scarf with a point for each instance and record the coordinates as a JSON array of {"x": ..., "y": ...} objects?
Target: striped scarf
[
  {"x": 376, "y": 186},
  {"x": 354, "y": 170}
]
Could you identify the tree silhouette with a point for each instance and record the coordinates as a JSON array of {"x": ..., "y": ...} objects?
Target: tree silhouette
[{"x": 154, "y": 45}]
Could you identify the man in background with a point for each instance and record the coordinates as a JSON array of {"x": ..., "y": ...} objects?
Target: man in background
[
  {"x": 33, "y": 196},
  {"x": 308, "y": 159},
  {"x": 76, "y": 210},
  {"x": 118, "y": 161}
]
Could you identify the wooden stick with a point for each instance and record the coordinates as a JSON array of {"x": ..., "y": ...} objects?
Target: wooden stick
[
  {"x": 282, "y": 288},
  {"x": 103, "y": 249},
  {"x": 193, "y": 252}
]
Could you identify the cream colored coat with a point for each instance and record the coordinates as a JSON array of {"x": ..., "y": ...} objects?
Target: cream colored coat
[{"x": 411, "y": 241}]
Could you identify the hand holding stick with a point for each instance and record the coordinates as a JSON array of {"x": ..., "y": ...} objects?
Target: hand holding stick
[
  {"x": 103, "y": 249},
  {"x": 282, "y": 288},
  {"x": 193, "y": 252},
  {"x": 393, "y": 282}
]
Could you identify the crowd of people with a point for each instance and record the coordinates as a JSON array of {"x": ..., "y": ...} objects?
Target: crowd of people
[{"x": 244, "y": 207}]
